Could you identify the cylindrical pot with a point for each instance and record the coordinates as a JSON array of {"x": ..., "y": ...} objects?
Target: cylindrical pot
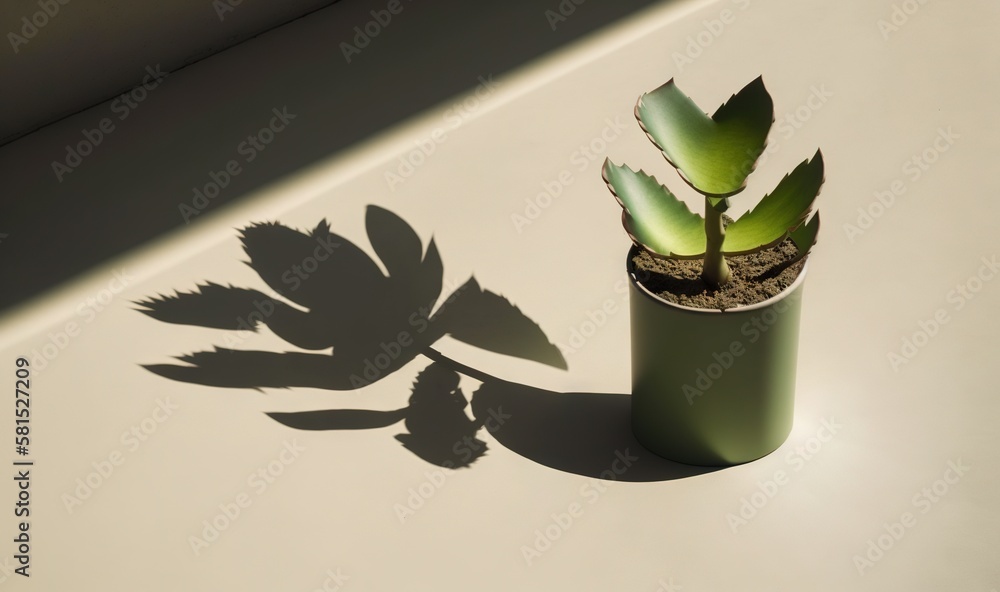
[{"x": 713, "y": 387}]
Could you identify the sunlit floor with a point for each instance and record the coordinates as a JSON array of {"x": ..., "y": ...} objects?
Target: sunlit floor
[{"x": 155, "y": 478}]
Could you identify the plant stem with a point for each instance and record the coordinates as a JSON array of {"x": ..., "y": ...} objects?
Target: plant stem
[
  {"x": 715, "y": 271},
  {"x": 459, "y": 367}
]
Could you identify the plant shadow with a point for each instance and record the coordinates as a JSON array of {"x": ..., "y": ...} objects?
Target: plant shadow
[
  {"x": 365, "y": 324},
  {"x": 587, "y": 434}
]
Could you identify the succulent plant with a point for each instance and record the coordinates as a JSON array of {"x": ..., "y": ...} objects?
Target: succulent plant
[{"x": 714, "y": 155}]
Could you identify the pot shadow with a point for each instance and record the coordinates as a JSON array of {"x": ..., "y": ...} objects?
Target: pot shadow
[
  {"x": 332, "y": 296},
  {"x": 587, "y": 434}
]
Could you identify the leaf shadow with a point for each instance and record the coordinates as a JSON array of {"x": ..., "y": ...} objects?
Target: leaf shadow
[{"x": 363, "y": 323}]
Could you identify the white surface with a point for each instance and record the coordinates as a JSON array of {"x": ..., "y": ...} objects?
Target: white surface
[{"x": 333, "y": 508}]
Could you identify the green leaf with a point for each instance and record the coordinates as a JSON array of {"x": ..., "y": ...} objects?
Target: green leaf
[
  {"x": 653, "y": 216},
  {"x": 780, "y": 212},
  {"x": 714, "y": 155},
  {"x": 805, "y": 236}
]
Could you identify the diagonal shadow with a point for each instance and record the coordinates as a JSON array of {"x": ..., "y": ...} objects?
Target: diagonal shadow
[
  {"x": 332, "y": 298},
  {"x": 431, "y": 57}
]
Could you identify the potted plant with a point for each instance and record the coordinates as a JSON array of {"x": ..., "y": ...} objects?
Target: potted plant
[{"x": 714, "y": 301}]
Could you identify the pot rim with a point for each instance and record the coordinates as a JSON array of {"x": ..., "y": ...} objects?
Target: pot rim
[{"x": 739, "y": 309}]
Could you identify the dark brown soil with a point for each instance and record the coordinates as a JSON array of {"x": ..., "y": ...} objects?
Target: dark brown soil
[{"x": 755, "y": 277}]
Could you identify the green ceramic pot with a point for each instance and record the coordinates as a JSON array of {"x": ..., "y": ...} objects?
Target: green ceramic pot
[{"x": 713, "y": 387}]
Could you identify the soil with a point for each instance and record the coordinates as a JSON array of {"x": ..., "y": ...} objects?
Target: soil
[{"x": 754, "y": 277}]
